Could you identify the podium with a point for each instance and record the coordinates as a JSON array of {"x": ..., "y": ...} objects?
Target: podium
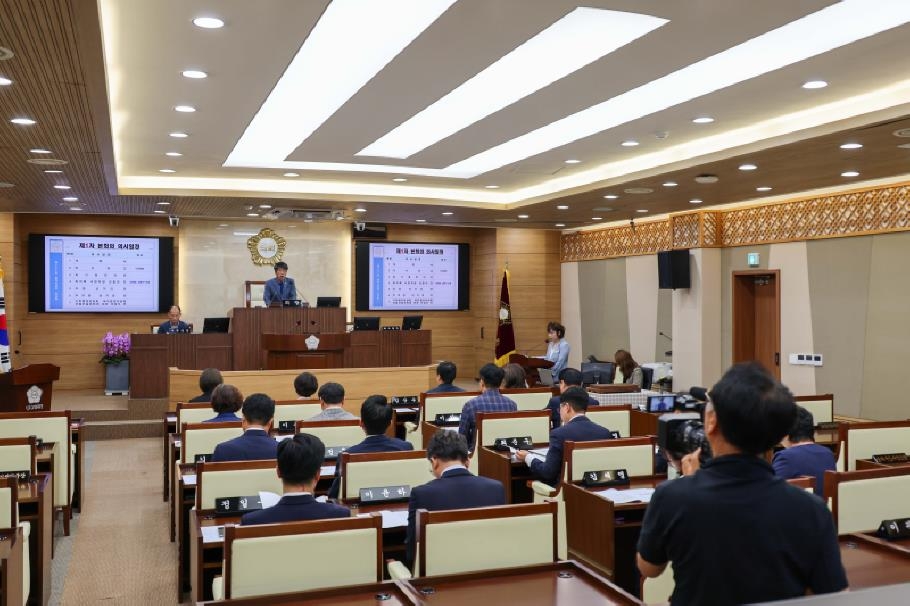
[
  {"x": 530, "y": 366},
  {"x": 288, "y": 352},
  {"x": 28, "y": 389}
]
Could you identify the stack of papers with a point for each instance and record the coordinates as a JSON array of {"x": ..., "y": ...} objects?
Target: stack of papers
[
  {"x": 212, "y": 534},
  {"x": 391, "y": 519},
  {"x": 629, "y": 495}
]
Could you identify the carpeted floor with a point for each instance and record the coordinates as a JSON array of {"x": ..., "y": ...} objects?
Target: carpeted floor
[{"x": 120, "y": 551}]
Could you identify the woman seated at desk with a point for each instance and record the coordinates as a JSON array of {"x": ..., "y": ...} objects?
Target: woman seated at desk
[
  {"x": 626, "y": 364},
  {"x": 226, "y": 401}
]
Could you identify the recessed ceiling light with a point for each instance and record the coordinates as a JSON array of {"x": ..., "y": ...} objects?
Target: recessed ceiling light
[
  {"x": 194, "y": 74},
  {"x": 562, "y": 207},
  {"x": 638, "y": 190},
  {"x": 850, "y": 173},
  {"x": 184, "y": 109},
  {"x": 904, "y": 145},
  {"x": 747, "y": 167},
  {"x": 163, "y": 203},
  {"x": 597, "y": 218},
  {"x": 421, "y": 220},
  {"x": 448, "y": 213},
  {"x": 291, "y": 175},
  {"x": 491, "y": 186},
  {"x": 5, "y": 81},
  {"x": 851, "y": 146},
  {"x": 173, "y": 154},
  {"x": 703, "y": 120},
  {"x": 629, "y": 143},
  {"x": 75, "y": 208},
  {"x": 71, "y": 199},
  {"x": 160, "y": 212},
  {"x": 763, "y": 188},
  {"x": 4, "y": 184},
  {"x": 62, "y": 187},
  {"x": 706, "y": 179},
  {"x": 223, "y": 225},
  {"x": 38, "y": 150},
  {"x": 602, "y": 209},
  {"x": 642, "y": 210},
  {"x": 573, "y": 161},
  {"x": 179, "y": 135},
  {"x": 523, "y": 216},
  {"x": 813, "y": 84},
  {"x": 23, "y": 121},
  {"x": 399, "y": 179},
  {"x": 252, "y": 214},
  {"x": 51, "y": 171},
  {"x": 208, "y": 22},
  {"x": 360, "y": 210},
  {"x": 611, "y": 196},
  {"x": 560, "y": 225},
  {"x": 265, "y": 206},
  {"x": 166, "y": 170},
  {"x": 669, "y": 184},
  {"x": 693, "y": 201}
]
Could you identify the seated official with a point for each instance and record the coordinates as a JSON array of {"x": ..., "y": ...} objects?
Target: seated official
[
  {"x": 173, "y": 324},
  {"x": 454, "y": 487},
  {"x": 305, "y": 385},
  {"x": 736, "y": 534},
  {"x": 375, "y": 418},
  {"x": 575, "y": 427},
  {"x": 490, "y": 400},
  {"x": 801, "y": 455},
  {"x": 515, "y": 377},
  {"x": 280, "y": 288},
  {"x": 569, "y": 377},
  {"x": 632, "y": 374},
  {"x": 445, "y": 374},
  {"x": 209, "y": 379},
  {"x": 299, "y": 461},
  {"x": 331, "y": 398},
  {"x": 226, "y": 401},
  {"x": 255, "y": 443}
]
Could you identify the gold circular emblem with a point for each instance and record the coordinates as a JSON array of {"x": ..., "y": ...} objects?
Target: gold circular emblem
[{"x": 266, "y": 247}]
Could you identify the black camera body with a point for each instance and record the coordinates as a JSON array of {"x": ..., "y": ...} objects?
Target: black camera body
[{"x": 681, "y": 434}]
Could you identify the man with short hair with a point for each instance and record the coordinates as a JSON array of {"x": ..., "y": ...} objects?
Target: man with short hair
[
  {"x": 305, "y": 385},
  {"x": 445, "y": 374},
  {"x": 255, "y": 443},
  {"x": 280, "y": 288},
  {"x": 568, "y": 377},
  {"x": 375, "y": 418},
  {"x": 801, "y": 455},
  {"x": 454, "y": 487},
  {"x": 209, "y": 379},
  {"x": 331, "y": 398},
  {"x": 490, "y": 400},
  {"x": 736, "y": 534},
  {"x": 173, "y": 324},
  {"x": 299, "y": 461},
  {"x": 575, "y": 426}
]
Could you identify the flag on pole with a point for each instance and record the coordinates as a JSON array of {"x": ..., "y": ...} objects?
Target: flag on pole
[
  {"x": 5, "y": 365},
  {"x": 505, "y": 332}
]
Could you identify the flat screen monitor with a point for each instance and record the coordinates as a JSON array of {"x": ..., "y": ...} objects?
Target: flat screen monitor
[
  {"x": 328, "y": 301},
  {"x": 597, "y": 373},
  {"x": 411, "y": 322},
  {"x": 662, "y": 403},
  {"x": 216, "y": 324},
  {"x": 366, "y": 323}
]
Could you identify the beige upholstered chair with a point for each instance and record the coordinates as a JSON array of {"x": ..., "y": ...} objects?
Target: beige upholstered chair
[
  {"x": 295, "y": 410},
  {"x": 18, "y": 559},
  {"x": 19, "y": 454},
  {"x": 862, "y": 440},
  {"x": 202, "y": 438},
  {"x": 492, "y": 425},
  {"x": 297, "y": 556},
  {"x": 234, "y": 479},
  {"x": 193, "y": 412},
  {"x": 334, "y": 433},
  {"x": 821, "y": 406},
  {"x": 614, "y": 418},
  {"x": 532, "y": 398},
  {"x": 374, "y": 469},
  {"x": 430, "y": 405},
  {"x": 252, "y": 293},
  {"x": 658, "y": 590},
  {"x": 50, "y": 427},
  {"x": 860, "y": 500}
]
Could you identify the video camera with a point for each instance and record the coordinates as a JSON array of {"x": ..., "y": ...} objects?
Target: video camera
[{"x": 681, "y": 434}]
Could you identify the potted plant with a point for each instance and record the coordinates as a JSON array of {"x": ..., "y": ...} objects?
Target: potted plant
[{"x": 116, "y": 360}]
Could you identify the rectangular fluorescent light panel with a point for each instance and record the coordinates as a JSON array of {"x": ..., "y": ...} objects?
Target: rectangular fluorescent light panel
[
  {"x": 574, "y": 41},
  {"x": 350, "y": 44}
]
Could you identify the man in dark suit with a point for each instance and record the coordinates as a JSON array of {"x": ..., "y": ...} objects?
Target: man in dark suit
[
  {"x": 255, "y": 443},
  {"x": 575, "y": 427},
  {"x": 568, "y": 377},
  {"x": 375, "y": 417},
  {"x": 445, "y": 374},
  {"x": 209, "y": 379},
  {"x": 454, "y": 487},
  {"x": 299, "y": 461},
  {"x": 280, "y": 288},
  {"x": 173, "y": 324}
]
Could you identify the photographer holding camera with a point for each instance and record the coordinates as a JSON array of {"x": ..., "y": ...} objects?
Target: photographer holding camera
[
  {"x": 685, "y": 446},
  {"x": 736, "y": 534}
]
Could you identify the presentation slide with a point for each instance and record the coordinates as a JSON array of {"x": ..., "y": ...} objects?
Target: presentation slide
[
  {"x": 97, "y": 273},
  {"x": 413, "y": 276}
]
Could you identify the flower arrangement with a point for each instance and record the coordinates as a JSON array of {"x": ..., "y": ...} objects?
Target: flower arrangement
[{"x": 116, "y": 348}]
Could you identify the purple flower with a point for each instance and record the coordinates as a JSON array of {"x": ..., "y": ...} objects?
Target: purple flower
[{"x": 115, "y": 348}]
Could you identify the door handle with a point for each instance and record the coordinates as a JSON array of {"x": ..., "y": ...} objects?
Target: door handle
[{"x": 777, "y": 358}]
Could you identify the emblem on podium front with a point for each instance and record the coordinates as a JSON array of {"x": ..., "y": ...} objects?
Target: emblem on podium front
[
  {"x": 33, "y": 395},
  {"x": 312, "y": 342}
]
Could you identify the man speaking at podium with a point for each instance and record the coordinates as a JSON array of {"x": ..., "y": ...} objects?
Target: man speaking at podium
[{"x": 280, "y": 288}]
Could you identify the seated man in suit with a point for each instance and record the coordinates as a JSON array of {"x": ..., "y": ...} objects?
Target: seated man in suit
[
  {"x": 801, "y": 455},
  {"x": 331, "y": 398},
  {"x": 454, "y": 487},
  {"x": 575, "y": 426},
  {"x": 226, "y": 401},
  {"x": 255, "y": 443},
  {"x": 490, "y": 400},
  {"x": 305, "y": 385},
  {"x": 299, "y": 461},
  {"x": 445, "y": 374},
  {"x": 280, "y": 288},
  {"x": 568, "y": 377},
  {"x": 173, "y": 324},
  {"x": 375, "y": 417},
  {"x": 209, "y": 379}
]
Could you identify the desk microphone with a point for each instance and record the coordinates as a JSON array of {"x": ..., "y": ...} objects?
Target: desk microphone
[
  {"x": 661, "y": 333},
  {"x": 314, "y": 323}
]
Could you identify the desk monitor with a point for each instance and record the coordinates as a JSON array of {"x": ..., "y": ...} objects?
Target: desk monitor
[
  {"x": 366, "y": 323},
  {"x": 597, "y": 373},
  {"x": 216, "y": 324},
  {"x": 328, "y": 301},
  {"x": 411, "y": 322},
  {"x": 663, "y": 403}
]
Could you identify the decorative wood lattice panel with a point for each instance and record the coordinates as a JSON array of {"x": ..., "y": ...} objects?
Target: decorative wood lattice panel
[
  {"x": 685, "y": 230},
  {"x": 625, "y": 241},
  {"x": 711, "y": 228}
]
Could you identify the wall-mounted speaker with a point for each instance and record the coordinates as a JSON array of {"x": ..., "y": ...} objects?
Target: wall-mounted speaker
[{"x": 673, "y": 269}]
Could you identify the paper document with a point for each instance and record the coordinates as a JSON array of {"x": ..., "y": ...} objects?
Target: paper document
[
  {"x": 189, "y": 479},
  {"x": 540, "y": 451},
  {"x": 268, "y": 499},
  {"x": 322, "y": 499},
  {"x": 282, "y": 438},
  {"x": 212, "y": 534},
  {"x": 630, "y": 495},
  {"x": 327, "y": 470},
  {"x": 390, "y": 519}
]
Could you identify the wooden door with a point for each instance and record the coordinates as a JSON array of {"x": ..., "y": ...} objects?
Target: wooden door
[{"x": 756, "y": 318}]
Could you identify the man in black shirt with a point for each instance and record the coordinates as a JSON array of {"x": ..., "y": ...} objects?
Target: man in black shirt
[{"x": 735, "y": 533}]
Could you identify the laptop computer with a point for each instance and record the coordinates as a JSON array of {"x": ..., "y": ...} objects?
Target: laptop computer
[
  {"x": 215, "y": 325},
  {"x": 546, "y": 376}
]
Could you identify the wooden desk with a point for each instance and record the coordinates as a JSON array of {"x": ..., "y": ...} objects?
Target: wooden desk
[
  {"x": 36, "y": 508},
  {"x": 390, "y": 593},
  {"x": 514, "y": 475},
  {"x": 284, "y": 352},
  {"x": 643, "y": 423},
  {"x": 871, "y": 562},
  {"x": 170, "y": 429},
  {"x": 248, "y": 325},
  {"x": 870, "y": 464},
  {"x": 152, "y": 355},
  {"x": 11, "y": 544},
  {"x": 76, "y": 429}
]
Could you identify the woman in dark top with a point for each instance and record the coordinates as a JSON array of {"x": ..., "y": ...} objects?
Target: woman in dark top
[
  {"x": 515, "y": 377},
  {"x": 226, "y": 401},
  {"x": 631, "y": 371}
]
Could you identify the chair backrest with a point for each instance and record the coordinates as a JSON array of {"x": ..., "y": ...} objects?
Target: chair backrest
[
  {"x": 295, "y": 410},
  {"x": 432, "y": 404},
  {"x": 334, "y": 433},
  {"x": 860, "y": 500},
  {"x": 862, "y": 440},
  {"x": 807, "y": 483},
  {"x": 280, "y": 558},
  {"x": 374, "y": 469},
  {"x": 614, "y": 417},
  {"x": 821, "y": 406},
  {"x": 532, "y": 398},
  {"x": 635, "y": 455},
  {"x": 9, "y": 503},
  {"x": 492, "y": 425},
  {"x": 202, "y": 438},
  {"x": 234, "y": 479},
  {"x": 193, "y": 412},
  {"x": 252, "y": 293},
  {"x": 448, "y": 541},
  {"x": 52, "y": 426},
  {"x": 19, "y": 454}
]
